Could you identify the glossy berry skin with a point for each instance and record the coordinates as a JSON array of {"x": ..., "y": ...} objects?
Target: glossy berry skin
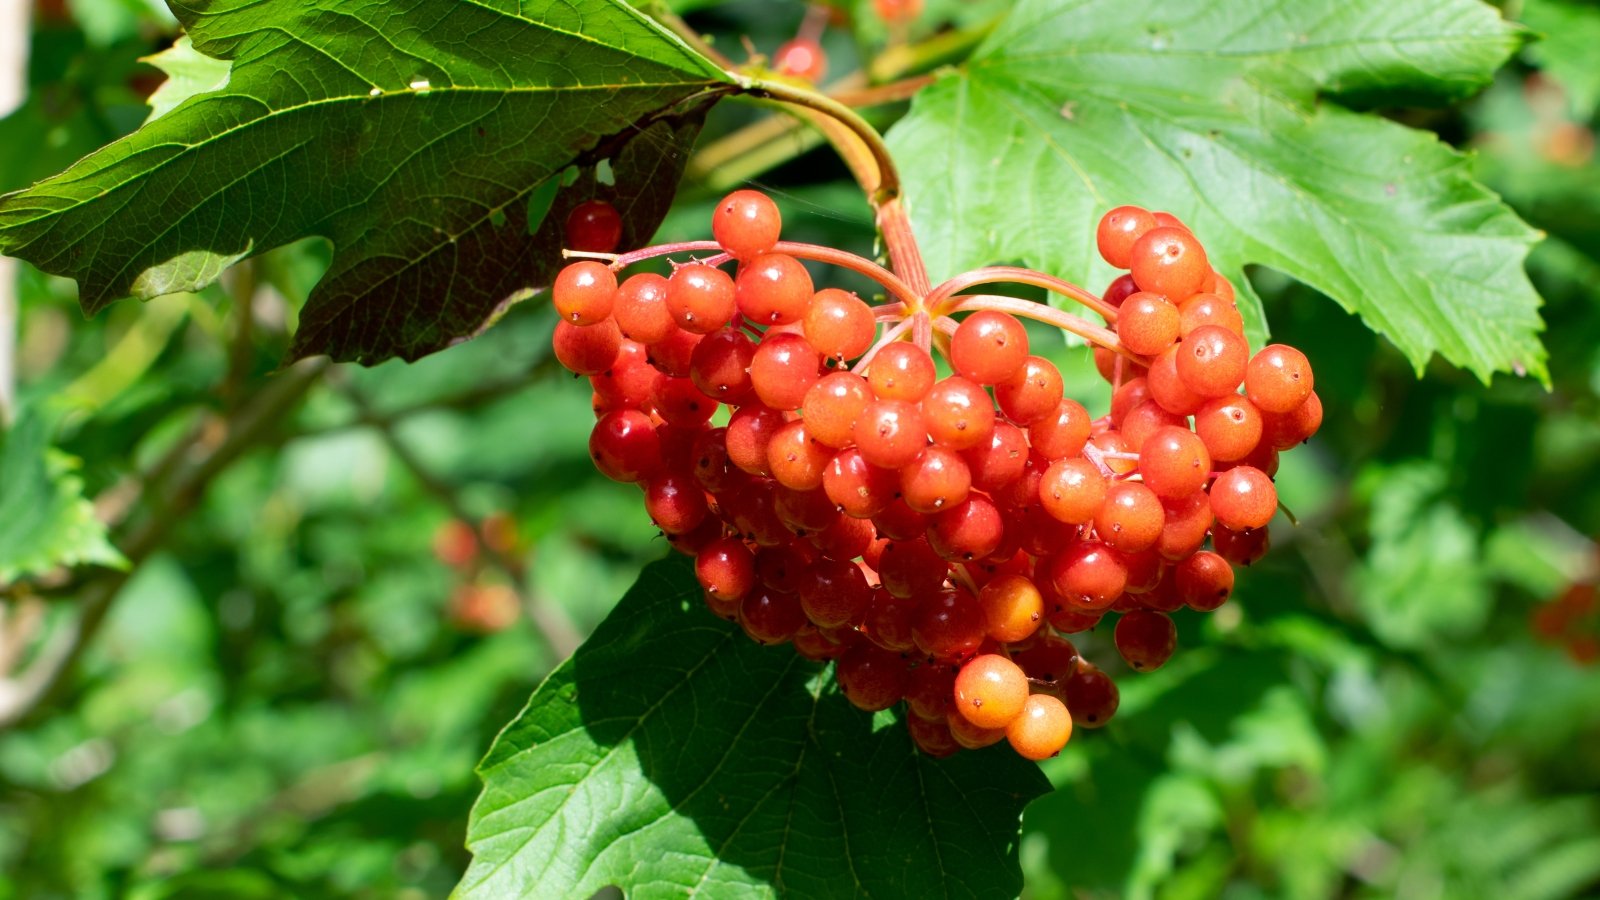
[
  {"x": 1119, "y": 290},
  {"x": 936, "y": 480},
  {"x": 858, "y": 488},
  {"x": 1145, "y": 639},
  {"x": 1208, "y": 309},
  {"x": 725, "y": 568},
  {"x": 1211, "y": 361},
  {"x": 871, "y": 676},
  {"x": 1281, "y": 432},
  {"x": 990, "y": 691},
  {"x": 1130, "y": 520},
  {"x": 624, "y": 446},
  {"x": 1204, "y": 581},
  {"x": 803, "y": 58},
  {"x": 584, "y": 292},
  {"x": 1168, "y": 388},
  {"x": 1278, "y": 379},
  {"x": 594, "y": 226},
  {"x": 1013, "y": 608},
  {"x": 1072, "y": 490},
  {"x": 773, "y": 289},
  {"x": 783, "y": 369},
  {"x": 1174, "y": 463},
  {"x": 958, "y": 414},
  {"x": 901, "y": 371},
  {"x": 949, "y": 626},
  {"x": 1241, "y": 548},
  {"x": 970, "y": 530},
  {"x": 1243, "y": 498},
  {"x": 1042, "y": 728},
  {"x": 988, "y": 346},
  {"x": 746, "y": 224},
  {"x": 641, "y": 309},
  {"x": 587, "y": 349},
  {"x": 1091, "y": 696},
  {"x": 831, "y": 406},
  {"x": 1230, "y": 427},
  {"x": 1089, "y": 575},
  {"x": 1147, "y": 323},
  {"x": 1031, "y": 393},
  {"x": 720, "y": 366},
  {"x": 890, "y": 433},
  {"x": 1063, "y": 432},
  {"x": 700, "y": 298},
  {"x": 1169, "y": 261},
  {"x": 1118, "y": 230},
  {"x": 969, "y": 735},
  {"x": 839, "y": 324}
]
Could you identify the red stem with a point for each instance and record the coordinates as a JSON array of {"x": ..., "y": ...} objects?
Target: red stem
[
  {"x": 1018, "y": 275},
  {"x": 841, "y": 258}
]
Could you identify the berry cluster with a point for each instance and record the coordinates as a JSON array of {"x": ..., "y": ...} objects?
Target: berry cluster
[{"x": 939, "y": 536}]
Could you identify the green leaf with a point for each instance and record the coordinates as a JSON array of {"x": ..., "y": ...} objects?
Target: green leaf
[
  {"x": 189, "y": 73},
  {"x": 1568, "y": 35},
  {"x": 671, "y": 756},
  {"x": 1212, "y": 110},
  {"x": 45, "y": 521},
  {"x": 411, "y": 136}
]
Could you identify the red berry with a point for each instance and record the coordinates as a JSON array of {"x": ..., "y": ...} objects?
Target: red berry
[
  {"x": 1169, "y": 261},
  {"x": 587, "y": 349},
  {"x": 641, "y": 309},
  {"x": 1147, "y": 323},
  {"x": 988, "y": 347},
  {"x": 594, "y": 226},
  {"x": 958, "y": 413},
  {"x": 1204, "y": 581},
  {"x": 1118, "y": 231},
  {"x": 1243, "y": 498},
  {"x": 1041, "y": 729},
  {"x": 624, "y": 446},
  {"x": 1278, "y": 379},
  {"x": 746, "y": 224},
  {"x": 584, "y": 292},
  {"x": 803, "y": 58},
  {"x": 839, "y": 324},
  {"x": 1145, "y": 639},
  {"x": 1211, "y": 361},
  {"x": 990, "y": 691},
  {"x": 890, "y": 433},
  {"x": 700, "y": 298},
  {"x": 1174, "y": 463},
  {"x": 783, "y": 369},
  {"x": 901, "y": 371},
  {"x": 773, "y": 289},
  {"x": 1031, "y": 393}
]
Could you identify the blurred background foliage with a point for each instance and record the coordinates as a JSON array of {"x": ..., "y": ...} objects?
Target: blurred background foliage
[{"x": 290, "y": 691}]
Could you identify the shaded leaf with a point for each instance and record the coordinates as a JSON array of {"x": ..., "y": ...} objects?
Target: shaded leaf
[
  {"x": 411, "y": 136},
  {"x": 672, "y": 756},
  {"x": 1212, "y": 110}
]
